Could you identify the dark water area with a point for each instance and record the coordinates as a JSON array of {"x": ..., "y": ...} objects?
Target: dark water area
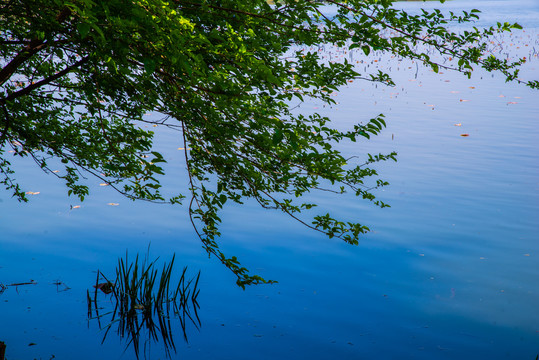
[{"x": 450, "y": 271}]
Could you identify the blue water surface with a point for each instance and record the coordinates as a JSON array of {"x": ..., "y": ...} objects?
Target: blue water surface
[{"x": 450, "y": 271}]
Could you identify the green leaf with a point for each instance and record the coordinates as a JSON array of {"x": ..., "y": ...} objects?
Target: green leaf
[
  {"x": 83, "y": 29},
  {"x": 366, "y": 49},
  {"x": 149, "y": 66},
  {"x": 277, "y": 136}
]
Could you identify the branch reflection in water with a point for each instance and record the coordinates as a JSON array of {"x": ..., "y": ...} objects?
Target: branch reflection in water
[{"x": 146, "y": 303}]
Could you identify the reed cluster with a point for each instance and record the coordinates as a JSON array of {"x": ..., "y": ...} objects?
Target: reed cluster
[{"x": 146, "y": 302}]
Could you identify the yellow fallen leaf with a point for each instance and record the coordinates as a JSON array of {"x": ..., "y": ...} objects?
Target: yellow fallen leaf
[
  {"x": 32, "y": 193},
  {"x": 103, "y": 184},
  {"x": 75, "y": 207},
  {"x": 459, "y": 124},
  {"x": 472, "y": 87},
  {"x": 464, "y": 134},
  {"x": 56, "y": 171},
  {"x": 113, "y": 204}
]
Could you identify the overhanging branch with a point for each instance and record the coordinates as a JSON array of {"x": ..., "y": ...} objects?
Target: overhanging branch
[
  {"x": 45, "y": 81},
  {"x": 7, "y": 121},
  {"x": 29, "y": 50}
]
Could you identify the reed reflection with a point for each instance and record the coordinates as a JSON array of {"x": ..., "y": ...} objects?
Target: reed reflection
[{"x": 143, "y": 305}]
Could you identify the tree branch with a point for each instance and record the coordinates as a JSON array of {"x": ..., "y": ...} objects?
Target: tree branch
[
  {"x": 29, "y": 50},
  {"x": 42, "y": 82},
  {"x": 3, "y": 136}
]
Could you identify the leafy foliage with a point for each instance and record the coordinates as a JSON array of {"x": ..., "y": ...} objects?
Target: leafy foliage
[{"x": 77, "y": 77}]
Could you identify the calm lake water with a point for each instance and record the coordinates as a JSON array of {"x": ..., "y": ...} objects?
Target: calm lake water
[{"x": 450, "y": 271}]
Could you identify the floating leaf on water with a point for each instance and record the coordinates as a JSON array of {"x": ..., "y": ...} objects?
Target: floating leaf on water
[
  {"x": 106, "y": 287},
  {"x": 113, "y": 204},
  {"x": 459, "y": 124},
  {"x": 463, "y": 100},
  {"x": 464, "y": 134},
  {"x": 512, "y": 102},
  {"x": 472, "y": 87},
  {"x": 103, "y": 184},
  {"x": 32, "y": 193},
  {"x": 76, "y": 207}
]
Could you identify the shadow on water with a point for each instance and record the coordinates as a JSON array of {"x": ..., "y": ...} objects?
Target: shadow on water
[{"x": 142, "y": 304}]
